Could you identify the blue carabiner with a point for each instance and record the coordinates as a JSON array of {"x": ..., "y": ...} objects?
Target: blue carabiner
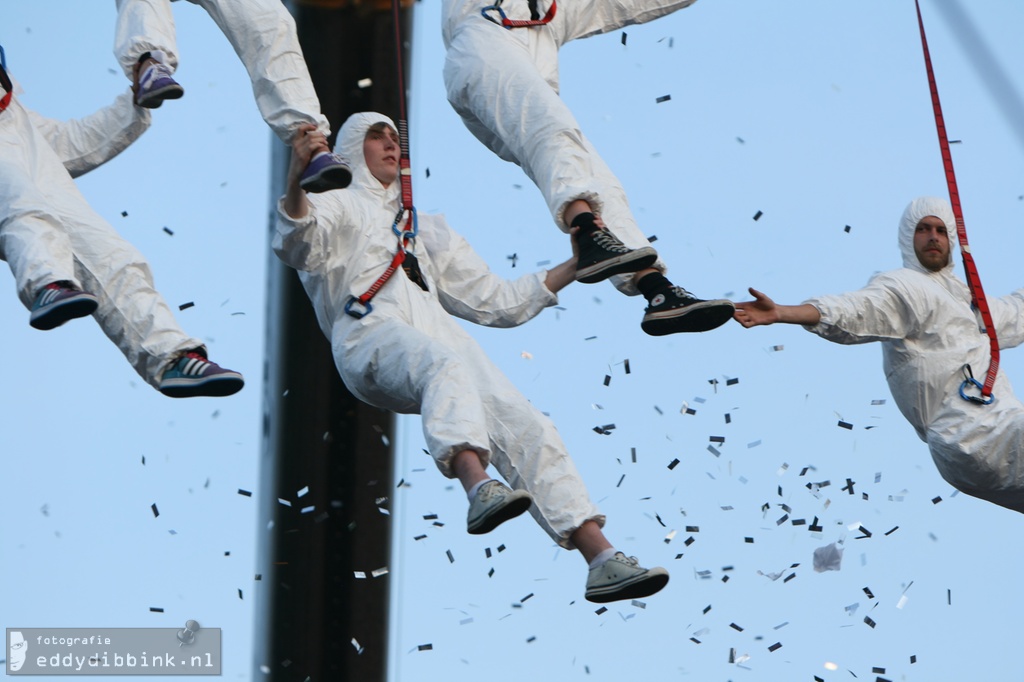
[
  {"x": 407, "y": 234},
  {"x": 358, "y": 314},
  {"x": 981, "y": 400},
  {"x": 495, "y": 8}
]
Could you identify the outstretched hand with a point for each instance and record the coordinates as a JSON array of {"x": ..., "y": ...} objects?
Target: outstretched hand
[{"x": 762, "y": 310}]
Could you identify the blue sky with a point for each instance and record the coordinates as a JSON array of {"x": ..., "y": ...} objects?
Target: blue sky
[{"x": 815, "y": 114}]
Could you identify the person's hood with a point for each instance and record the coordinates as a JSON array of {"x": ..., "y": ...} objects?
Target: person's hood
[
  {"x": 349, "y": 144},
  {"x": 919, "y": 209}
]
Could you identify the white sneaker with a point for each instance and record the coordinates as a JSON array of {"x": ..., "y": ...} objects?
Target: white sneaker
[
  {"x": 494, "y": 504},
  {"x": 623, "y": 577}
]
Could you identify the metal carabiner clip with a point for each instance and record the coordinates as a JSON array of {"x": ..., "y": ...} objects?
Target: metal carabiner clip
[
  {"x": 496, "y": 8},
  {"x": 970, "y": 381},
  {"x": 350, "y": 308}
]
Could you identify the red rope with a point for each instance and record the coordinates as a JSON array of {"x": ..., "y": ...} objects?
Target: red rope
[
  {"x": 973, "y": 280},
  {"x": 526, "y": 23}
]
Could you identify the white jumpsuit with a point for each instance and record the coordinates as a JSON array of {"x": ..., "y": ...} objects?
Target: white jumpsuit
[
  {"x": 504, "y": 85},
  {"x": 409, "y": 355},
  {"x": 263, "y": 35},
  {"x": 929, "y": 332},
  {"x": 48, "y": 232}
]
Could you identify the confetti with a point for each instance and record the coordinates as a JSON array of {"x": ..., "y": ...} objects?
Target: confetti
[
  {"x": 186, "y": 306},
  {"x": 156, "y": 609},
  {"x": 364, "y": 83},
  {"x": 673, "y": 464},
  {"x": 828, "y": 558},
  {"x": 156, "y": 512},
  {"x": 775, "y": 647},
  {"x": 845, "y": 425},
  {"x": 663, "y": 98},
  {"x": 169, "y": 231},
  {"x": 451, "y": 559},
  {"x": 847, "y": 229},
  {"x": 244, "y": 493},
  {"x": 757, "y": 216}
]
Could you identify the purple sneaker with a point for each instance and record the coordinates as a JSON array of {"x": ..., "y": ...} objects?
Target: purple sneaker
[
  {"x": 59, "y": 302},
  {"x": 156, "y": 85},
  {"x": 326, "y": 171},
  {"x": 193, "y": 375}
]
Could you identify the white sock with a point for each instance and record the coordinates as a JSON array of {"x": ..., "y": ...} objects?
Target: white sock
[
  {"x": 603, "y": 557},
  {"x": 471, "y": 493}
]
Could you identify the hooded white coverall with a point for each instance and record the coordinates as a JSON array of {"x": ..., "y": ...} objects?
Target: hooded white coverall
[
  {"x": 409, "y": 355},
  {"x": 504, "y": 85},
  {"x": 48, "y": 232},
  {"x": 929, "y": 332},
  {"x": 262, "y": 32}
]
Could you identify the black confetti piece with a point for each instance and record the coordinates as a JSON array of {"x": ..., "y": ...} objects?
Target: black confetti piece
[
  {"x": 757, "y": 216},
  {"x": 186, "y": 306},
  {"x": 663, "y": 98}
]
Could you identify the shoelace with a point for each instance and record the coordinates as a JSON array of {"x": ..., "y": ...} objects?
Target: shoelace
[
  {"x": 681, "y": 292},
  {"x": 608, "y": 241}
]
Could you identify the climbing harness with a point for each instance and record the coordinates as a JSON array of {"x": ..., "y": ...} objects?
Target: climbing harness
[
  {"x": 978, "y": 300},
  {"x": 359, "y": 306},
  {"x": 535, "y": 18}
]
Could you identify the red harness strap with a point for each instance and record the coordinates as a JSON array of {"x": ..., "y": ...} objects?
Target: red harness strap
[
  {"x": 973, "y": 280},
  {"x": 534, "y": 20}
]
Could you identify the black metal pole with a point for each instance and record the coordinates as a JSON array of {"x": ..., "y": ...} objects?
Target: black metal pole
[{"x": 315, "y": 619}]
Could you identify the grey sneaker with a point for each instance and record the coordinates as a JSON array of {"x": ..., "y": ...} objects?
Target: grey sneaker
[
  {"x": 494, "y": 504},
  {"x": 623, "y": 577}
]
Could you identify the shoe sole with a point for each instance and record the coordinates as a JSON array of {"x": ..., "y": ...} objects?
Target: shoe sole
[
  {"x": 699, "y": 317},
  {"x": 215, "y": 387},
  {"x": 155, "y": 98},
  {"x": 645, "y": 585},
  {"x": 635, "y": 260},
  {"x": 514, "y": 508},
  {"x": 57, "y": 314},
  {"x": 332, "y": 178}
]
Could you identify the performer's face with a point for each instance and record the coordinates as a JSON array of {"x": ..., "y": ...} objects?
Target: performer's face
[
  {"x": 380, "y": 148},
  {"x": 931, "y": 243}
]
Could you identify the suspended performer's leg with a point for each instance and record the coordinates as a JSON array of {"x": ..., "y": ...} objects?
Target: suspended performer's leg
[
  {"x": 262, "y": 32},
  {"x": 145, "y": 44}
]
